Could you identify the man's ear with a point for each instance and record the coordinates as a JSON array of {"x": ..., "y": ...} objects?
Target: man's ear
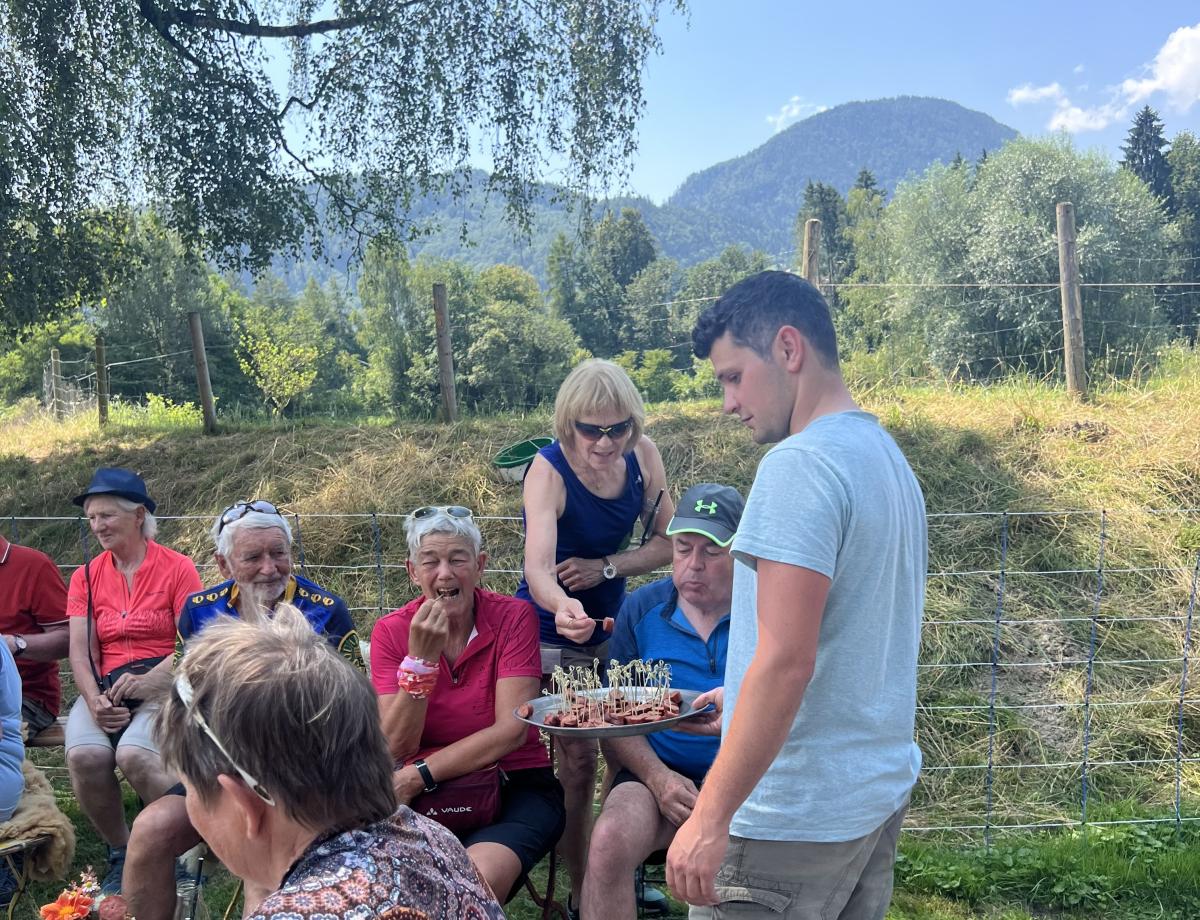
[
  {"x": 250, "y": 811},
  {"x": 412, "y": 571},
  {"x": 223, "y": 566},
  {"x": 791, "y": 349}
]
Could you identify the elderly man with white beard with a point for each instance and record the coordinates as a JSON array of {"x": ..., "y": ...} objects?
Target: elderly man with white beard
[{"x": 253, "y": 543}]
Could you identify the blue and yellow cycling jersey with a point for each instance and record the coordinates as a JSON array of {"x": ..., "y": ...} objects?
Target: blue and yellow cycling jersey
[{"x": 327, "y": 613}]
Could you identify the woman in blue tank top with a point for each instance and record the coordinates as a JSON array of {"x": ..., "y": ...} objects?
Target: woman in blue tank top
[{"x": 583, "y": 495}]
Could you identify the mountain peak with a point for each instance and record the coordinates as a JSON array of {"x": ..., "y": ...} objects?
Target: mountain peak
[{"x": 894, "y": 138}]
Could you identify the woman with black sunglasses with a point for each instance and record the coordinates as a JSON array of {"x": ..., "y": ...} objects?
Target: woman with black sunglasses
[{"x": 583, "y": 496}]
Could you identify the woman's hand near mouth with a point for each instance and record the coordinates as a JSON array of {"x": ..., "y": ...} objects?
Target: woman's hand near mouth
[{"x": 429, "y": 630}]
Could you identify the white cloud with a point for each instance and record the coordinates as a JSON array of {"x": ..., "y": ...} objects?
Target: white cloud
[
  {"x": 1073, "y": 119},
  {"x": 1027, "y": 92},
  {"x": 1174, "y": 74},
  {"x": 1079, "y": 68},
  {"x": 793, "y": 110}
]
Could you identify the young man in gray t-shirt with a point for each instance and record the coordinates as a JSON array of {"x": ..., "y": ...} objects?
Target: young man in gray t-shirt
[{"x": 800, "y": 813}]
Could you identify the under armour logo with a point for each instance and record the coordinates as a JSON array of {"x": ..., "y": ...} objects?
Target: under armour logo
[{"x": 710, "y": 507}]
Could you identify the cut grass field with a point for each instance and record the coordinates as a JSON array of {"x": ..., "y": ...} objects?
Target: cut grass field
[{"x": 1132, "y": 453}]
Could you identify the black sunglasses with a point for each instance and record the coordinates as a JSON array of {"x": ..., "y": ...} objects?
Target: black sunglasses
[
  {"x": 457, "y": 511},
  {"x": 596, "y": 432},
  {"x": 239, "y": 510}
]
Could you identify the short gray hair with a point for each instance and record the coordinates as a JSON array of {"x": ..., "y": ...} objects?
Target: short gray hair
[
  {"x": 222, "y": 537},
  {"x": 298, "y": 717},
  {"x": 417, "y": 529},
  {"x": 149, "y": 522}
]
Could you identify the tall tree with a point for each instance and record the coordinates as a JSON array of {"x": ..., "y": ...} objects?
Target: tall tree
[
  {"x": 562, "y": 274},
  {"x": 998, "y": 229},
  {"x": 826, "y": 203},
  {"x": 616, "y": 249},
  {"x": 704, "y": 282},
  {"x": 867, "y": 182},
  {"x": 621, "y": 246},
  {"x": 1145, "y": 156},
  {"x": 384, "y": 102},
  {"x": 1184, "y": 306}
]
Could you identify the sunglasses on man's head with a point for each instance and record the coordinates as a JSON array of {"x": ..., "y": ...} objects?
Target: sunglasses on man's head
[
  {"x": 596, "y": 432},
  {"x": 239, "y": 510},
  {"x": 457, "y": 511}
]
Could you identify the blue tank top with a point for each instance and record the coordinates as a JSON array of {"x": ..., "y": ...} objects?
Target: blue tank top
[{"x": 590, "y": 527}]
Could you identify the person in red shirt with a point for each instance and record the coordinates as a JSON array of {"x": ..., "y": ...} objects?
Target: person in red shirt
[
  {"x": 123, "y": 607},
  {"x": 450, "y": 667},
  {"x": 33, "y": 623}
]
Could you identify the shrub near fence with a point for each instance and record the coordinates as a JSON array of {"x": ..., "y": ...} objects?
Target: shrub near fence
[{"x": 1054, "y": 684}]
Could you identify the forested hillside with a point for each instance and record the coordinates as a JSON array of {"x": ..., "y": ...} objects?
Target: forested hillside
[
  {"x": 749, "y": 201},
  {"x": 893, "y": 138}
]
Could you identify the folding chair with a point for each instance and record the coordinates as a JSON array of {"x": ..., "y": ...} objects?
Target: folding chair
[{"x": 20, "y": 868}]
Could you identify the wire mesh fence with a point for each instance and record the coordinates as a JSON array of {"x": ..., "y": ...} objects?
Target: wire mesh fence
[
  {"x": 1054, "y": 678},
  {"x": 905, "y": 331}
]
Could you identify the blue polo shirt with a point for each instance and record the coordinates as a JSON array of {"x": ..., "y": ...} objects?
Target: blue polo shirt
[
  {"x": 327, "y": 613},
  {"x": 651, "y": 626}
]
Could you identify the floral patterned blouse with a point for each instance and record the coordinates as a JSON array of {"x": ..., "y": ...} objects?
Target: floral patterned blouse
[{"x": 403, "y": 868}]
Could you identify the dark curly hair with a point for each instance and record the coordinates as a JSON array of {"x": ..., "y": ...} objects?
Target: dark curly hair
[{"x": 754, "y": 310}]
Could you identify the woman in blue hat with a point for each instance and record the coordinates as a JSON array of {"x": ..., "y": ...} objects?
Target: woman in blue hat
[{"x": 122, "y": 607}]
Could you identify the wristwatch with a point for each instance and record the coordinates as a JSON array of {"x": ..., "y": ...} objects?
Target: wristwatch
[
  {"x": 610, "y": 570},
  {"x": 19, "y": 646},
  {"x": 426, "y": 776}
]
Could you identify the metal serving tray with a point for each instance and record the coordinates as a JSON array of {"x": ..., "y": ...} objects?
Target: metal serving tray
[{"x": 547, "y": 704}]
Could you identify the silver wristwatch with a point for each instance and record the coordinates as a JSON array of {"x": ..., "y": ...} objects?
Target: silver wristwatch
[{"x": 610, "y": 570}]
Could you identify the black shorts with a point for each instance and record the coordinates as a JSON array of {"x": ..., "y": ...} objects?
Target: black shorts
[
  {"x": 625, "y": 776},
  {"x": 532, "y": 817},
  {"x": 36, "y": 716}
]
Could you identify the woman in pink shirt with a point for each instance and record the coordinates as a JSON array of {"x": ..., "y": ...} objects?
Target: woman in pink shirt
[
  {"x": 450, "y": 667},
  {"x": 122, "y": 608}
]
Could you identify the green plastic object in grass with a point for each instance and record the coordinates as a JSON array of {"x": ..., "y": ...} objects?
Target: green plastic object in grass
[{"x": 514, "y": 460}]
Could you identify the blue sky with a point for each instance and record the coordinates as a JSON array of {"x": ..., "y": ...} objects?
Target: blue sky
[{"x": 733, "y": 73}]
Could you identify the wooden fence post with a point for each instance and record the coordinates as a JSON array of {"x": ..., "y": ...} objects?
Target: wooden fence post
[
  {"x": 441, "y": 318},
  {"x": 202, "y": 381},
  {"x": 56, "y": 385},
  {"x": 101, "y": 382},
  {"x": 810, "y": 255},
  {"x": 1072, "y": 303}
]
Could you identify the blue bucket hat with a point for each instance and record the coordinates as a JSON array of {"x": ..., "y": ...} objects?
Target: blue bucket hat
[{"x": 113, "y": 480}]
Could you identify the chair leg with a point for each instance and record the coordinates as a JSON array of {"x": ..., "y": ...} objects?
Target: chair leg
[{"x": 20, "y": 875}]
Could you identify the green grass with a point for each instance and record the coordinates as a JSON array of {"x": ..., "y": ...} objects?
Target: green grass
[
  {"x": 1017, "y": 445},
  {"x": 1124, "y": 873}
]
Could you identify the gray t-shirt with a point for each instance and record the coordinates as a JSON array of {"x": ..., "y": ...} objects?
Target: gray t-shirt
[{"x": 840, "y": 499}]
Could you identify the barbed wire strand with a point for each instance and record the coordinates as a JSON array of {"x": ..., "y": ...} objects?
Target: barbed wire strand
[
  {"x": 1183, "y": 681},
  {"x": 1091, "y": 668},
  {"x": 987, "y": 833}
]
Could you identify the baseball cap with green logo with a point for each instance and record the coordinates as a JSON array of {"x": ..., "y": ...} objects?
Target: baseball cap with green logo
[{"x": 708, "y": 509}]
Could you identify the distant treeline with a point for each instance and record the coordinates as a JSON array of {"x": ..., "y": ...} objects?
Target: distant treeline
[{"x": 955, "y": 275}]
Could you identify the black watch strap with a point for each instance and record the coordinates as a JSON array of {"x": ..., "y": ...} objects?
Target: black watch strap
[{"x": 426, "y": 776}]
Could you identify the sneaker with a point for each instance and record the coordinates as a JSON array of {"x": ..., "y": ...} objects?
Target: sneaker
[{"x": 116, "y": 869}]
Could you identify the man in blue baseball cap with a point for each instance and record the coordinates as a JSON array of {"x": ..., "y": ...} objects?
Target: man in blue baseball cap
[{"x": 682, "y": 620}]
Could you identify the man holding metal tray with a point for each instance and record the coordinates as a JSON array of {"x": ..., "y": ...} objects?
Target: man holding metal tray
[{"x": 683, "y": 621}]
